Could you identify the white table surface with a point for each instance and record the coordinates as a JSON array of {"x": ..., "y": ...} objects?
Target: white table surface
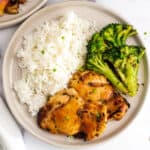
[{"x": 137, "y": 135}]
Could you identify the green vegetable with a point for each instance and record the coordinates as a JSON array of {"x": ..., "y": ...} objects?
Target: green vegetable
[
  {"x": 115, "y": 35},
  {"x": 70, "y": 136},
  {"x": 54, "y": 70},
  {"x": 94, "y": 91},
  {"x": 66, "y": 118},
  {"x": 82, "y": 68},
  {"x": 62, "y": 37},
  {"x": 108, "y": 54},
  {"x": 97, "y": 44},
  {"x": 96, "y": 63},
  {"x": 42, "y": 52},
  {"x": 125, "y": 61},
  {"x": 98, "y": 115}
]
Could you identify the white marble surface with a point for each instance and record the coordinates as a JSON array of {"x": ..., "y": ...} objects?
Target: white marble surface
[{"x": 137, "y": 135}]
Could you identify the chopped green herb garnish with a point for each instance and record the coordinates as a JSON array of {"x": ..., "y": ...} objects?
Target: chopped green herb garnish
[
  {"x": 70, "y": 136},
  {"x": 54, "y": 70},
  {"x": 94, "y": 91},
  {"x": 42, "y": 52},
  {"x": 62, "y": 37},
  {"x": 82, "y": 68},
  {"x": 66, "y": 118},
  {"x": 145, "y": 33},
  {"x": 98, "y": 116}
]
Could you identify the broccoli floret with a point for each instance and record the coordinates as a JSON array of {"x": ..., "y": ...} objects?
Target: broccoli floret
[
  {"x": 95, "y": 62},
  {"x": 115, "y": 35},
  {"x": 108, "y": 54},
  {"x": 125, "y": 61},
  {"x": 97, "y": 44}
]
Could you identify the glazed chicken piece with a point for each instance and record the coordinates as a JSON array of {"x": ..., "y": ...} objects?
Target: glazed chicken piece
[
  {"x": 84, "y": 109},
  {"x": 94, "y": 87},
  {"x": 66, "y": 113},
  {"x": 60, "y": 113},
  {"x": 93, "y": 120},
  {"x": 66, "y": 118},
  {"x": 12, "y": 7},
  {"x": 61, "y": 97},
  {"x": 91, "y": 86},
  {"x": 22, "y": 1},
  {"x": 117, "y": 107}
]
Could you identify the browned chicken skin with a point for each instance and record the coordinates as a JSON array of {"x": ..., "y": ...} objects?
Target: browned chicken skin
[
  {"x": 91, "y": 86},
  {"x": 93, "y": 120},
  {"x": 83, "y": 109},
  {"x": 117, "y": 107},
  {"x": 61, "y": 117},
  {"x": 66, "y": 113},
  {"x": 13, "y": 6},
  {"x": 94, "y": 87}
]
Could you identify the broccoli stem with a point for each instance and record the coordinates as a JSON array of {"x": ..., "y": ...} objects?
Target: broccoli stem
[
  {"x": 98, "y": 65},
  {"x": 108, "y": 73}
]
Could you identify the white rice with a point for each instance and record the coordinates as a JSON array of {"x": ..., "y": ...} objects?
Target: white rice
[{"x": 49, "y": 56}]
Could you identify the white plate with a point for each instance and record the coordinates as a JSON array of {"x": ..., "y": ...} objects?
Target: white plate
[
  {"x": 89, "y": 11},
  {"x": 25, "y": 10}
]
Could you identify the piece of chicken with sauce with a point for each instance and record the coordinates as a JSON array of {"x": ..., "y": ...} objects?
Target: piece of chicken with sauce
[
  {"x": 91, "y": 86},
  {"x": 60, "y": 113},
  {"x": 67, "y": 113},
  {"x": 117, "y": 107},
  {"x": 93, "y": 120},
  {"x": 83, "y": 109},
  {"x": 94, "y": 87},
  {"x": 13, "y": 6}
]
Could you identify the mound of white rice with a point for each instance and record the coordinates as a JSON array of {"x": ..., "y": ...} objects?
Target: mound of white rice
[{"x": 49, "y": 56}]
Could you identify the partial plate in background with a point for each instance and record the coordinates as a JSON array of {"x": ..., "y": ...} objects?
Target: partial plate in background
[{"x": 25, "y": 10}]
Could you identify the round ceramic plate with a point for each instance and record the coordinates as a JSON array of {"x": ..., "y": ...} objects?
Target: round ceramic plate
[
  {"x": 25, "y": 10},
  {"x": 11, "y": 72}
]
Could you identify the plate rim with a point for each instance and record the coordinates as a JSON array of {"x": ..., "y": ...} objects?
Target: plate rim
[
  {"x": 8, "y": 23},
  {"x": 52, "y": 6}
]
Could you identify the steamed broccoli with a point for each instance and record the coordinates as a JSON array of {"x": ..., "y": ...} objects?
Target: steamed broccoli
[
  {"x": 113, "y": 35},
  {"x": 97, "y": 43},
  {"x": 116, "y": 35},
  {"x": 108, "y": 54},
  {"x": 125, "y": 61},
  {"x": 96, "y": 63}
]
